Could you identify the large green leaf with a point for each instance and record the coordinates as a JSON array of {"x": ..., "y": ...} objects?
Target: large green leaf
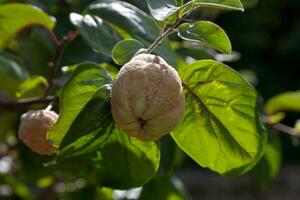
[
  {"x": 14, "y": 17},
  {"x": 76, "y": 93},
  {"x": 97, "y": 34},
  {"x": 223, "y": 4},
  {"x": 220, "y": 129},
  {"x": 11, "y": 75},
  {"x": 288, "y": 101},
  {"x": 207, "y": 33},
  {"x": 93, "y": 121},
  {"x": 135, "y": 22},
  {"x": 133, "y": 163},
  {"x": 125, "y": 50}
]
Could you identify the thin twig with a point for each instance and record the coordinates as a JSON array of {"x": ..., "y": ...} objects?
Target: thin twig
[
  {"x": 24, "y": 104},
  {"x": 285, "y": 129},
  {"x": 159, "y": 39},
  {"x": 281, "y": 127},
  {"x": 165, "y": 33},
  {"x": 62, "y": 44}
]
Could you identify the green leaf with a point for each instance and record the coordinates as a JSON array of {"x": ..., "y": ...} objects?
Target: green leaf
[
  {"x": 133, "y": 163},
  {"x": 164, "y": 188},
  {"x": 96, "y": 32},
  {"x": 222, "y": 4},
  {"x": 135, "y": 22},
  {"x": 166, "y": 10},
  {"x": 220, "y": 129},
  {"x": 15, "y": 16},
  {"x": 207, "y": 33},
  {"x": 93, "y": 121},
  {"x": 32, "y": 87},
  {"x": 11, "y": 75},
  {"x": 162, "y": 9},
  {"x": 269, "y": 167},
  {"x": 125, "y": 50},
  {"x": 76, "y": 93},
  {"x": 287, "y": 101}
]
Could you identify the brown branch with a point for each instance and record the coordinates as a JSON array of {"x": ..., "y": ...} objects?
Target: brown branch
[
  {"x": 285, "y": 129},
  {"x": 61, "y": 45},
  {"x": 25, "y": 104},
  {"x": 165, "y": 33}
]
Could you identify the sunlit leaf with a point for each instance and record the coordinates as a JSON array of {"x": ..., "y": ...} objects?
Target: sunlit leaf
[
  {"x": 220, "y": 129},
  {"x": 76, "y": 93},
  {"x": 207, "y": 33},
  {"x": 15, "y": 16}
]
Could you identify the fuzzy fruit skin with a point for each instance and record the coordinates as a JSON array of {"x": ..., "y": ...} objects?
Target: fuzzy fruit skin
[
  {"x": 33, "y": 130},
  {"x": 147, "y": 99}
]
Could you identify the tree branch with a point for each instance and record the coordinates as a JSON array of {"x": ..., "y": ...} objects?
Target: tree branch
[
  {"x": 61, "y": 45},
  {"x": 285, "y": 129},
  {"x": 165, "y": 33},
  {"x": 25, "y": 104}
]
